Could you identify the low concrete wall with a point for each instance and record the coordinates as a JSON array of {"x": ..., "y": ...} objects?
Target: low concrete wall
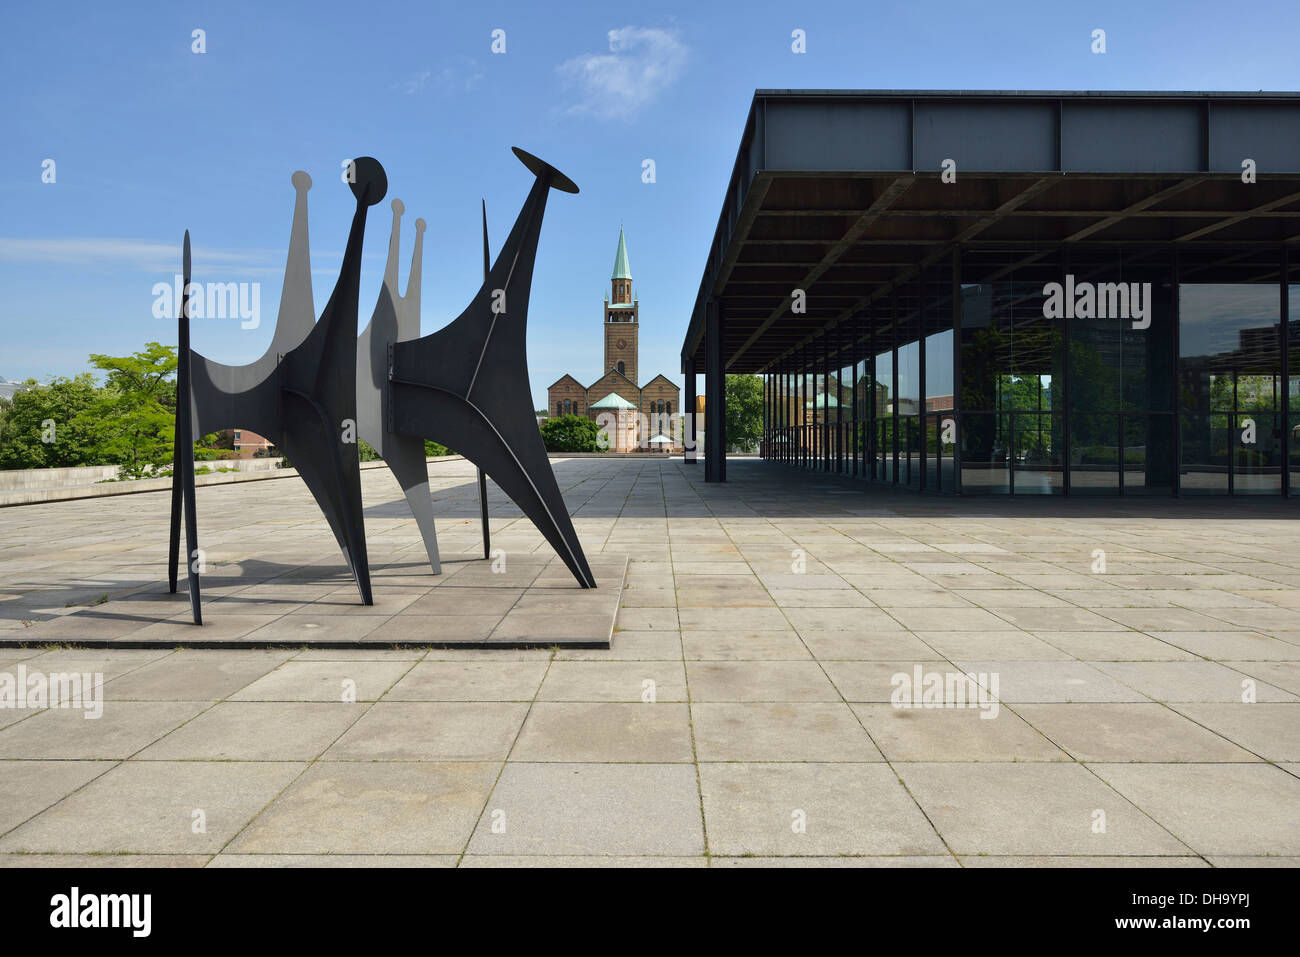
[
  {"x": 34, "y": 495},
  {"x": 248, "y": 470},
  {"x": 14, "y": 480}
]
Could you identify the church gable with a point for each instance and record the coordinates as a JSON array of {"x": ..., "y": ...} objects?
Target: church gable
[
  {"x": 615, "y": 381},
  {"x": 566, "y": 396},
  {"x": 565, "y": 380},
  {"x": 660, "y": 382}
]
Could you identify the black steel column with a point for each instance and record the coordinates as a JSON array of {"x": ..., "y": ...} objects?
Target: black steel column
[
  {"x": 925, "y": 412},
  {"x": 780, "y": 411},
  {"x": 824, "y": 453},
  {"x": 956, "y": 373},
  {"x": 893, "y": 419},
  {"x": 1067, "y": 412},
  {"x": 689, "y": 431},
  {"x": 802, "y": 411},
  {"x": 1284, "y": 400},
  {"x": 870, "y": 363},
  {"x": 1177, "y": 397},
  {"x": 785, "y": 411},
  {"x": 855, "y": 328},
  {"x": 715, "y": 439},
  {"x": 787, "y": 377},
  {"x": 839, "y": 400}
]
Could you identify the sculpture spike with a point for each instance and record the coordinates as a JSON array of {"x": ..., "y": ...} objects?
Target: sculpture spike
[
  {"x": 394, "y": 242},
  {"x": 482, "y": 476},
  {"x": 183, "y": 494},
  {"x": 297, "y": 313},
  {"x": 408, "y": 318}
]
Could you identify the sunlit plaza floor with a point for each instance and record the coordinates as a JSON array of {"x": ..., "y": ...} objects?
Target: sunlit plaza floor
[{"x": 1138, "y": 664}]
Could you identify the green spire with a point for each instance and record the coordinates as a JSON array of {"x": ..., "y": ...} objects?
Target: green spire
[{"x": 621, "y": 268}]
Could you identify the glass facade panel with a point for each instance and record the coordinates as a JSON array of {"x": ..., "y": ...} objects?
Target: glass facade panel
[
  {"x": 862, "y": 403},
  {"x": 884, "y": 425},
  {"x": 1206, "y": 450},
  {"x": 844, "y": 397},
  {"x": 939, "y": 408},
  {"x": 1132, "y": 384},
  {"x": 1149, "y": 454},
  {"x": 985, "y": 453},
  {"x": 909, "y": 407},
  {"x": 1229, "y": 377},
  {"x": 1257, "y": 454},
  {"x": 1037, "y": 454},
  {"x": 1292, "y": 425},
  {"x": 1094, "y": 454}
]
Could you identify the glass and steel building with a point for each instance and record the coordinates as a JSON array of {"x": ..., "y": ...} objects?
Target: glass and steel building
[{"x": 1013, "y": 293}]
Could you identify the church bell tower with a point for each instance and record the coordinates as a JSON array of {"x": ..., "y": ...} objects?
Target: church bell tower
[{"x": 621, "y": 316}]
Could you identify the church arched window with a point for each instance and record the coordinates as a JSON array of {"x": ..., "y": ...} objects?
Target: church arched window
[
  {"x": 668, "y": 407},
  {"x": 620, "y": 368}
]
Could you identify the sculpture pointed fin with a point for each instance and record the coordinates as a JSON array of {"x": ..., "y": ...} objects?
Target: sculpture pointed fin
[{"x": 297, "y": 310}]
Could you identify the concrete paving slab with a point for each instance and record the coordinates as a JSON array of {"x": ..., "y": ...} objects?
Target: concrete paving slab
[
  {"x": 372, "y": 807},
  {"x": 431, "y": 731},
  {"x": 1216, "y": 809},
  {"x": 155, "y": 807},
  {"x": 256, "y": 731},
  {"x": 592, "y": 809},
  {"x": 1033, "y": 809},
  {"x": 578, "y": 732},
  {"x": 812, "y": 809}
]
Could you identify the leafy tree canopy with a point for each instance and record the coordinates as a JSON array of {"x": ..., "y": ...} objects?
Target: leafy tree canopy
[
  {"x": 570, "y": 433},
  {"x": 744, "y": 413}
]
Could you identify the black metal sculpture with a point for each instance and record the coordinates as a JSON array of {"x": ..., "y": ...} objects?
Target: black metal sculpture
[
  {"x": 466, "y": 385},
  {"x": 316, "y": 390},
  {"x": 396, "y": 318}
]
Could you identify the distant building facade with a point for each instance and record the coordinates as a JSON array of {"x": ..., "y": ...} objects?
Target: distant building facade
[
  {"x": 638, "y": 417},
  {"x": 246, "y": 444}
]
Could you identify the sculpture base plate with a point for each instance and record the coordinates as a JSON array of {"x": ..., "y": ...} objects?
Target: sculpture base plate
[{"x": 527, "y": 602}]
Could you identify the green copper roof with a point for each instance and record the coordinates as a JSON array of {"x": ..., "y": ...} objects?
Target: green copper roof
[
  {"x": 613, "y": 401},
  {"x": 621, "y": 268}
]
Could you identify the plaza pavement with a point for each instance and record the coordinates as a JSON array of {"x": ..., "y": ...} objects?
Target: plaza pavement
[{"x": 741, "y": 716}]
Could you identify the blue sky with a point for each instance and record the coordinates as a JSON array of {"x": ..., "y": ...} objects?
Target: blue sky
[{"x": 150, "y": 138}]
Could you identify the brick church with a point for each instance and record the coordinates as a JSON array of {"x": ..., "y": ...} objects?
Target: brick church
[{"x": 616, "y": 395}]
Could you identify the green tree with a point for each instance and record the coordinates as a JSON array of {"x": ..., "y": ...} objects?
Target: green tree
[
  {"x": 46, "y": 426},
  {"x": 135, "y": 412},
  {"x": 744, "y": 412},
  {"x": 570, "y": 433}
]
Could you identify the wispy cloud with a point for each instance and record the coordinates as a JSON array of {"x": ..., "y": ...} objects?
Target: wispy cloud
[
  {"x": 460, "y": 74},
  {"x": 124, "y": 253},
  {"x": 642, "y": 63},
  {"x": 154, "y": 257}
]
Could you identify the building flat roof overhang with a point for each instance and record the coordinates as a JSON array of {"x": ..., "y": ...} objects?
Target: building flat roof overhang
[{"x": 839, "y": 192}]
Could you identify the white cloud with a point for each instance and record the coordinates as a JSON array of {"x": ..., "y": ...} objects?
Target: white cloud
[
  {"x": 155, "y": 257},
  {"x": 119, "y": 253},
  {"x": 641, "y": 64},
  {"x": 461, "y": 74},
  {"x": 415, "y": 84}
]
